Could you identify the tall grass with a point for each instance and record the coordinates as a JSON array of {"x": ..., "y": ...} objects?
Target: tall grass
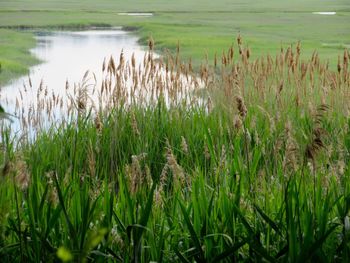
[{"x": 248, "y": 161}]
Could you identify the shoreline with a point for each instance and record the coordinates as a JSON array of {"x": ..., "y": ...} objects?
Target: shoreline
[{"x": 5, "y": 79}]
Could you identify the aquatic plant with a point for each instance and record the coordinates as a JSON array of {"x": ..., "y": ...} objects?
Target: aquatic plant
[{"x": 243, "y": 160}]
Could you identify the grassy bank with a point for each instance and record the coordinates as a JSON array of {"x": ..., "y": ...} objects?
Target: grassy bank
[
  {"x": 255, "y": 169},
  {"x": 201, "y": 26},
  {"x": 15, "y": 57}
]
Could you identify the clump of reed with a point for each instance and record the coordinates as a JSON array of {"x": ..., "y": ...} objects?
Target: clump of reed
[{"x": 240, "y": 161}]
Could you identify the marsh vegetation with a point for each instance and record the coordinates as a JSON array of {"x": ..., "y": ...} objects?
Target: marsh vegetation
[
  {"x": 203, "y": 147},
  {"x": 251, "y": 163}
]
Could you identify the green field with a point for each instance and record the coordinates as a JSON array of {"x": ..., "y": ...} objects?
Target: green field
[{"x": 200, "y": 26}]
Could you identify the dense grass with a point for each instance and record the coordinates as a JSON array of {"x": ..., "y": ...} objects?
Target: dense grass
[
  {"x": 255, "y": 169},
  {"x": 201, "y": 26}
]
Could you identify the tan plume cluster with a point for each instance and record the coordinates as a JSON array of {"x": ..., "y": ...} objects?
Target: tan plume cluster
[
  {"x": 317, "y": 134},
  {"x": 135, "y": 173},
  {"x": 22, "y": 173}
]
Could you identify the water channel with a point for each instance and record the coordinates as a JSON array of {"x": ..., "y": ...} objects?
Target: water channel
[{"x": 65, "y": 57}]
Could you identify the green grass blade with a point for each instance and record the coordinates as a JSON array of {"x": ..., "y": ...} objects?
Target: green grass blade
[
  {"x": 229, "y": 252},
  {"x": 268, "y": 220},
  {"x": 192, "y": 232}
]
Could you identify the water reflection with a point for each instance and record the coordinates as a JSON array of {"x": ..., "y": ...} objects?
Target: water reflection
[
  {"x": 116, "y": 70},
  {"x": 65, "y": 56}
]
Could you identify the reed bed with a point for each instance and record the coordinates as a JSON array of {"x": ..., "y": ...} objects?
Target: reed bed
[{"x": 238, "y": 160}]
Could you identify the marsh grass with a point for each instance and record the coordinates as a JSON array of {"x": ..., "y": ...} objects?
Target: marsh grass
[{"x": 246, "y": 161}]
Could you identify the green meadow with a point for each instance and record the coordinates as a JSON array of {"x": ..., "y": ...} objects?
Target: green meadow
[{"x": 202, "y": 27}]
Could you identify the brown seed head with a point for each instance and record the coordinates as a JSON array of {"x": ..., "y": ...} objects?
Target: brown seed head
[
  {"x": 150, "y": 43},
  {"x": 242, "y": 109},
  {"x": 184, "y": 145},
  {"x": 239, "y": 39},
  {"x": 248, "y": 53},
  {"x": 299, "y": 48},
  {"x": 346, "y": 58},
  {"x": 22, "y": 176},
  {"x": 98, "y": 124}
]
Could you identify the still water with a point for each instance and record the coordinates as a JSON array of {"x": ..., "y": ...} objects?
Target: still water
[{"x": 65, "y": 56}]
